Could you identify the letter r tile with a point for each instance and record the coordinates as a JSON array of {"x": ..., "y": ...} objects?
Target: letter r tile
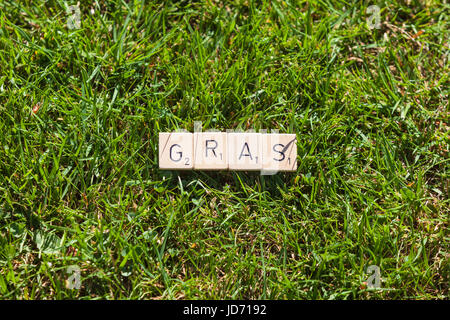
[
  {"x": 210, "y": 150},
  {"x": 244, "y": 151},
  {"x": 176, "y": 150},
  {"x": 279, "y": 152}
]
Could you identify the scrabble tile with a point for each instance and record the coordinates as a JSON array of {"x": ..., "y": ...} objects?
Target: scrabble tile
[
  {"x": 210, "y": 150},
  {"x": 244, "y": 151},
  {"x": 279, "y": 152},
  {"x": 176, "y": 150}
]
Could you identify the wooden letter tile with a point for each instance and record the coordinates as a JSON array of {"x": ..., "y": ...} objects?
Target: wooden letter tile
[
  {"x": 244, "y": 151},
  {"x": 176, "y": 150},
  {"x": 210, "y": 151},
  {"x": 279, "y": 152}
]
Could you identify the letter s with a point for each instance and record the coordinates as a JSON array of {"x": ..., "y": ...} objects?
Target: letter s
[{"x": 281, "y": 152}]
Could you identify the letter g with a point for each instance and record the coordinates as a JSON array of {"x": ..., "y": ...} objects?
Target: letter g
[{"x": 179, "y": 153}]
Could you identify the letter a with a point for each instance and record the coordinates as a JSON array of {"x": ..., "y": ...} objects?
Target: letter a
[{"x": 245, "y": 155}]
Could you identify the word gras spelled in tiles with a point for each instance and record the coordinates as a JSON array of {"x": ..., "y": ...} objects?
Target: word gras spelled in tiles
[{"x": 227, "y": 151}]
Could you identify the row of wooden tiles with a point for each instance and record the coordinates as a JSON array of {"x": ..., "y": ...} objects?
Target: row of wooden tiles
[{"x": 227, "y": 151}]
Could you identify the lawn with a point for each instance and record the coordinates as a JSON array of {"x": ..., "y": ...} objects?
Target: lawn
[{"x": 86, "y": 213}]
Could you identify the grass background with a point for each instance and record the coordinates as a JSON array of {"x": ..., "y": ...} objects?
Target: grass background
[{"x": 80, "y": 112}]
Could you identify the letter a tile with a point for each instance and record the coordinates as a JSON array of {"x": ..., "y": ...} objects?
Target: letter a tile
[
  {"x": 244, "y": 151},
  {"x": 279, "y": 152},
  {"x": 176, "y": 150},
  {"x": 210, "y": 151}
]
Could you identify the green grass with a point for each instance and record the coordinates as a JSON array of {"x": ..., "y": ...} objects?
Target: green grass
[{"x": 80, "y": 112}]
